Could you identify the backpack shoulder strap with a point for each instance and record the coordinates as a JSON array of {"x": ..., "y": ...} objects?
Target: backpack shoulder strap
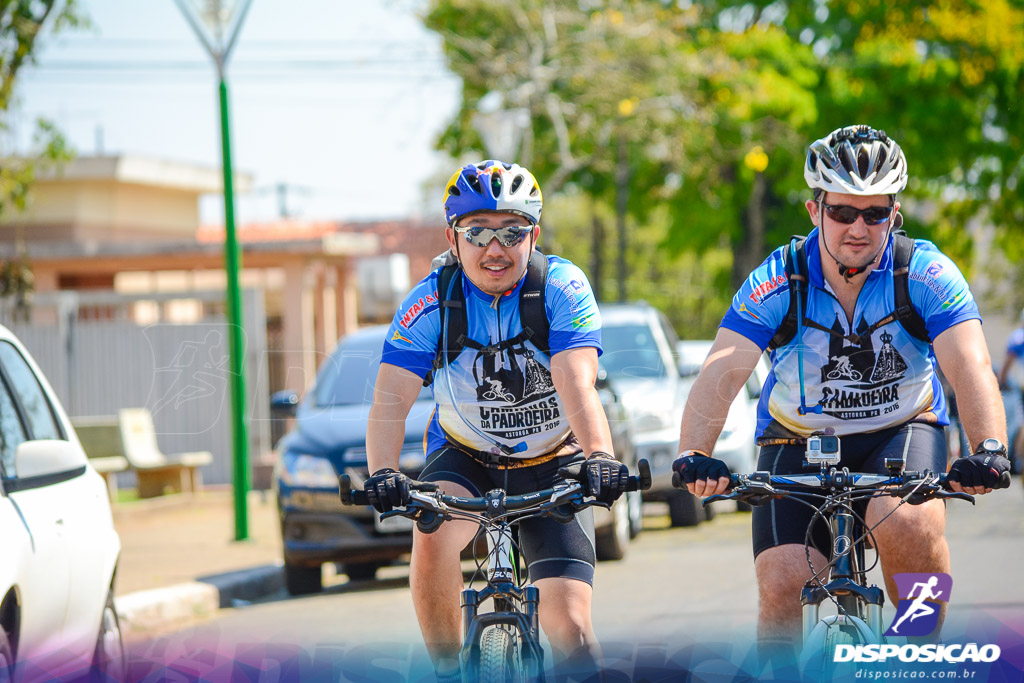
[
  {"x": 532, "y": 315},
  {"x": 453, "y": 315},
  {"x": 795, "y": 260},
  {"x": 909, "y": 318}
]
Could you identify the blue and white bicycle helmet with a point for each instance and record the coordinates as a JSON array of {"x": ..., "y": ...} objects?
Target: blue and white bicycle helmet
[
  {"x": 856, "y": 160},
  {"x": 492, "y": 186}
]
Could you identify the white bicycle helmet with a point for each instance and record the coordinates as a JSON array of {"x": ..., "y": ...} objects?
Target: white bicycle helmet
[
  {"x": 492, "y": 186},
  {"x": 856, "y": 160}
]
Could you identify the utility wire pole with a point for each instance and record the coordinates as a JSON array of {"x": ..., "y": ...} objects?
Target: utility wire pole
[{"x": 224, "y": 19}]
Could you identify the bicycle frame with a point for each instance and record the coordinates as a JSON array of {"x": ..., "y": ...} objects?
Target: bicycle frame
[{"x": 513, "y": 606}]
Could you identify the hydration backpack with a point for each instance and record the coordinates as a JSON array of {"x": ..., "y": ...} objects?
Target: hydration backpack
[{"x": 904, "y": 311}]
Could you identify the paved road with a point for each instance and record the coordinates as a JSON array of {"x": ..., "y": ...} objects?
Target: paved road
[{"x": 677, "y": 588}]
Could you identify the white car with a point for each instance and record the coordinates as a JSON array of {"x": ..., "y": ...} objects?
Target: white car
[
  {"x": 735, "y": 446},
  {"x": 58, "y": 546}
]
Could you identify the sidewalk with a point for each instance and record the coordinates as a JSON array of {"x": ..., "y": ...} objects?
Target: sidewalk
[{"x": 179, "y": 558}]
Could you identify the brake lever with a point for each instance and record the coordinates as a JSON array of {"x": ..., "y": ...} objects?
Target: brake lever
[
  {"x": 719, "y": 496},
  {"x": 399, "y": 512},
  {"x": 960, "y": 495}
]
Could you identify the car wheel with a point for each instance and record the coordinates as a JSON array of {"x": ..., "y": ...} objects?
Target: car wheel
[
  {"x": 361, "y": 571},
  {"x": 635, "y": 504},
  {"x": 6, "y": 657},
  {"x": 611, "y": 542},
  {"x": 684, "y": 509},
  {"x": 301, "y": 580},
  {"x": 108, "y": 659}
]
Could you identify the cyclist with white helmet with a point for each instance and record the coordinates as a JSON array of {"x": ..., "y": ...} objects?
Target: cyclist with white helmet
[
  {"x": 856, "y": 316},
  {"x": 514, "y": 405}
]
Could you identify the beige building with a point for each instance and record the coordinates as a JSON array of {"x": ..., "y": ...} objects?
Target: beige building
[{"x": 130, "y": 225}]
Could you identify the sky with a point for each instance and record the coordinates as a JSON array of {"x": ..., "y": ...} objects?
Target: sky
[{"x": 341, "y": 100}]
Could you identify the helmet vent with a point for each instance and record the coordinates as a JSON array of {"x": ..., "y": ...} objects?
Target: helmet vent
[
  {"x": 474, "y": 183},
  {"x": 516, "y": 182},
  {"x": 508, "y": 167},
  {"x": 496, "y": 185},
  {"x": 864, "y": 161},
  {"x": 454, "y": 191},
  {"x": 535, "y": 191}
]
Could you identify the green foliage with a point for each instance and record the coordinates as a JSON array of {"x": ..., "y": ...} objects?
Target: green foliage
[
  {"x": 701, "y": 114},
  {"x": 22, "y": 22}
]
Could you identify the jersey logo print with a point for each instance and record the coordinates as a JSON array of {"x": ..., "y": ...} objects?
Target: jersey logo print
[
  {"x": 860, "y": 383},
  {"x": 418, "y": 309},
  {"x": 744, "y": 309}
]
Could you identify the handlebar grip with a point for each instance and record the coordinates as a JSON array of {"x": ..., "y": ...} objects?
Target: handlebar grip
[
  {"x": 349, "y": 495},
  {"x": 642, "y": 481},
  {"x": 1004, "y": 481}
]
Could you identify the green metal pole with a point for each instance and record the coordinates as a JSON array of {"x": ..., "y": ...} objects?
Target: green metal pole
[{"x": 232, "y": 264}]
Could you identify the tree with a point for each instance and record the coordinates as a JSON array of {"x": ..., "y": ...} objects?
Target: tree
[
  {"x": 944, "y": 77},
  {"x": 22, "y": 22},
  {"x": 613, "y": 95}
]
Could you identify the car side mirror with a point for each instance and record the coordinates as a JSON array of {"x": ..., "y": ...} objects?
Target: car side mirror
[
  {"x": 686, "y": 370},
  {"x": 284, "y": 403},
  {"x": 43, "y": 457}
]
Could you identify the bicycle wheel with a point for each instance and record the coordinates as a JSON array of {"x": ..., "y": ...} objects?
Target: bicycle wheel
[
  {"x": 818, "y": 660},
  {"x": 499, "y": 656}
]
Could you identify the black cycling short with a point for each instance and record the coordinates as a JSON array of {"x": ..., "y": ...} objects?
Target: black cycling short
[
  {"x": 550, "y": 548},
  {"x": 923, "y": 446}
]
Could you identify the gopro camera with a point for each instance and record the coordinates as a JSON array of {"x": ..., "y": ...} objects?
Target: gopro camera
[{"x": 823, "y": 449}]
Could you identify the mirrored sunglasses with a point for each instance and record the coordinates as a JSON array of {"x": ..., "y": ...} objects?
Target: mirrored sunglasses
[
  {"x": 507, "y": 237},
  {"x": 842, "y": 213}
]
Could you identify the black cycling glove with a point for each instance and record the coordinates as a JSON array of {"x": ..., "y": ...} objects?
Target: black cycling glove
[
  {"x": 984, "y": 469},
  {"x": 387, "y": 489},
  {"x": 602, "y": 476},
  {"x": 689, "y": 468}
]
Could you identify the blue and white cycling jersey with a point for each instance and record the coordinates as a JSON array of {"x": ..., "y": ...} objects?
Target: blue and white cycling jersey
[
  {"x": 1015, "y": 344},
  {"x": 509, "y": 395},
  {"x": 886, "y": 379}
]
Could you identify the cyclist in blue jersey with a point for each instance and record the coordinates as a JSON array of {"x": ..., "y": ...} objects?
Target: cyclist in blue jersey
[
  {"x": 1014, "y": 353},
  {"x": 512, "y": 409},
  {"x": 851, "y": 365}
]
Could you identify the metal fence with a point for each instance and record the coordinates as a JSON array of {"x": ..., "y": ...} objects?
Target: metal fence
[{"x": 99, "y": 360}]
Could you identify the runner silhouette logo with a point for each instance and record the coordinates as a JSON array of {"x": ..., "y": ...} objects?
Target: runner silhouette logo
[{"x": 921, "y": 598}]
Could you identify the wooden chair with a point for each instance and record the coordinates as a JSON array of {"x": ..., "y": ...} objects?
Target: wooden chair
[{"x": 156, "y": 471}]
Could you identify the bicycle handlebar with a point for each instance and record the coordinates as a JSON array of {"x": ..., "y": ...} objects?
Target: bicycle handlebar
[
  {"x": 556, "y": 495},
  {"x": 760, "y": 487}
]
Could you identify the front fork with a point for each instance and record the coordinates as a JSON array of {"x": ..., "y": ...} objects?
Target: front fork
[
  {"x": 850, "y": 594},
  {"x": 471, "y": 600}
]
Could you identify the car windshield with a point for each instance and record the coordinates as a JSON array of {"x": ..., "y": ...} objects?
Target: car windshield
[
  {"x": 348, "y": 376},
  {"x": 630, "y": 351}
]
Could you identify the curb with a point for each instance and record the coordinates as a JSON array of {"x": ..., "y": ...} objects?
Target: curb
[{"x": 160, "y": 607}]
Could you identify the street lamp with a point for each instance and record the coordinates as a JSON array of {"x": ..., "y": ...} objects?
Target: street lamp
[
  {"x": 500, "y": 129},
  {"x": 223, "y": 20}
]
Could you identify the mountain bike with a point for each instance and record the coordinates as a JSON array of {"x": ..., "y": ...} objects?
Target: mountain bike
[
  {"x": 503, "y": 644},
  {"x": 832, "y": 493}
]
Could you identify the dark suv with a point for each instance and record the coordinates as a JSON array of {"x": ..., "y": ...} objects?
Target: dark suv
[{"x": 329, "y": 438}]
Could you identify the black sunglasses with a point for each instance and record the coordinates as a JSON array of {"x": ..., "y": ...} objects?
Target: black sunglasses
[
  {"x": 508, "y": 236},
  {"x": 842, "y": 213}
]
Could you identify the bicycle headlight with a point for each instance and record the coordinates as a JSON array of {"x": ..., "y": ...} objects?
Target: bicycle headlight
[{"x": 301, "y": 469}]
